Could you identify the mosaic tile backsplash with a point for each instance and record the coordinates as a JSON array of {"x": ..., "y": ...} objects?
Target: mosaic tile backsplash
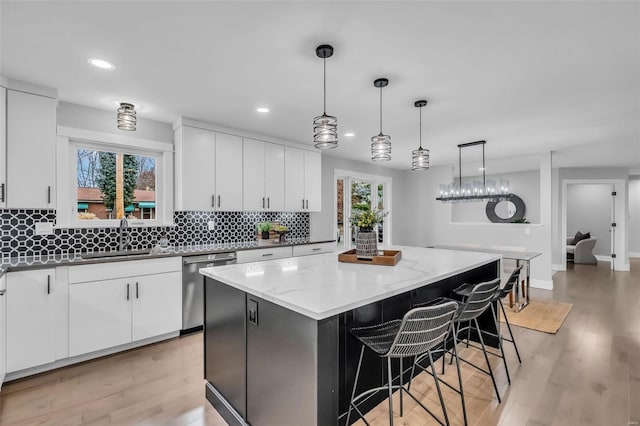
[{"x": 191, "y": 228}]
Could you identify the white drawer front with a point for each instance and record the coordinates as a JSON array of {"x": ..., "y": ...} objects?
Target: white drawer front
[
  {"x": 126, "y": 268},
  {"x": 308, "y": 249},
  {"x": 263, "y": 254}
]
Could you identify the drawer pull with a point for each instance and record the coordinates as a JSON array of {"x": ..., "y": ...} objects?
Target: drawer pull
[
  {"x": 267, "y": 254},
  {"x": 317, "y": 248}
]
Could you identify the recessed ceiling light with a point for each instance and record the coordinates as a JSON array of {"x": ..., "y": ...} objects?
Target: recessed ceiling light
[
  {"x": 101, "y": 63},
  {"x": 349, "y": 135},
  {"x": 262, "y": 109}
]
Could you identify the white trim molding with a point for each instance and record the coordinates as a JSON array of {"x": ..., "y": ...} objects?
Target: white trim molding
[
  {"x": 541, "y": 284},
  {"x": 558, "y": 267},
  {"x": 634, "y": 254}
]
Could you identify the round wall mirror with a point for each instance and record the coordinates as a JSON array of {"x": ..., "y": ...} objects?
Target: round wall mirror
[{"x": 506, "y": 211}]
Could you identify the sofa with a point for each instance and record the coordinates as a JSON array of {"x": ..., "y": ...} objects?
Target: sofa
[{"x": 581, "y": 252}]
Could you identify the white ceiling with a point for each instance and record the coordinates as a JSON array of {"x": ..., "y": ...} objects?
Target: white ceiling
[{"x": 528, "y": 77}]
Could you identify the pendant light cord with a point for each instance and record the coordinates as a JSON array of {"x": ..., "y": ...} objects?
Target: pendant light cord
[
  {"x": 420, "y": 127},
  {"x": 324, "y": 65},
  {"x": 380, "y": 109}
]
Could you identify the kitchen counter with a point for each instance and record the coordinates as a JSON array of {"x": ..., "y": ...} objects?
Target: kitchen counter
[
  {"x": 320, "y": 286},
  {"x": 48, "y": 261}
]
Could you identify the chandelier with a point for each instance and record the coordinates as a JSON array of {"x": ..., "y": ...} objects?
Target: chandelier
[{"x": 474, "y": 191}]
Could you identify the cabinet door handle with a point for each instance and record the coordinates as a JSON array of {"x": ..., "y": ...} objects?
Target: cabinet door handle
[
  {"x": 48, "y": 195},
  {"x": 267, "y": 254},
  {"x": 127, "y": 291},
  {"x": 213, "y": 200},
  {"x": 218, "y": 201},
  {"x": 303, "y": 203},
  {"x": 2, "y": 192},
  {"x": 263, "y": 202},
  {"x": 137, "y": 295},
  {"x": 268, "y": 202},
  {"x": 307, "y": 206},
  {"x": 2, "y": 292},
  {"x": 48, "y": 284}
]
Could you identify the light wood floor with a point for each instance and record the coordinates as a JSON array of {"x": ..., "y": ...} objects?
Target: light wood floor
[{"x": 587, "y": 374}]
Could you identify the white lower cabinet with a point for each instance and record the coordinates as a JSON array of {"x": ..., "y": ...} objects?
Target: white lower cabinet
[
  {"x": 318, "y": 248},
  {"x": 30, "y": 318},
  {"x": 119, "y": 310},
  {"x": 157, "y": 305},
  {"x": 3, "y": 328},
  {"x": 99, "y": 315},
  {"x": 257, "y": 255}
]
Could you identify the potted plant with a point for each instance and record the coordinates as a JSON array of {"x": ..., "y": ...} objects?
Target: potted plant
[
  {"x": 264, "y": 229},
  {"x": 282, "y": 231},
  {"x": 366, "y": 238}
]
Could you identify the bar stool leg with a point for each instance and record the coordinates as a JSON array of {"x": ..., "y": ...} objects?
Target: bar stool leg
[
  {"x": 455, "y": 353},
  {"x": 504, "y": 358},
  {"x": 390, "y": 391},
  {"x": 436, "y": 380},
  {"x": 513, "y": 340},
  {"x": 486, "y": 358},
  {"x": 355, "y": 384},
  {"x": 401, "y": 388}
]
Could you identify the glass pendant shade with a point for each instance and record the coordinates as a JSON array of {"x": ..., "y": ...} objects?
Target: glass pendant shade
[
  {"x": 325, "y": 127},
  {"x": 127, "y": 117},
  {"x": 420, "y": 159},
  {"x": 325, "y": 132},
  {"x": 381, "y": 148}
]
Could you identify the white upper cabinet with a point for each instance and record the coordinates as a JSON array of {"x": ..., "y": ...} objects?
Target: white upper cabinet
[
  {"x": 263, "y": 176},
  {"x": 208, "y": 170},
  {"x": 303, "y": 186},
  {"x": 197, "y": 150},
  {"x": 228, "y": 170},
  {"x": 30, "y": 147},
  {"x": 218, "y": 171}
]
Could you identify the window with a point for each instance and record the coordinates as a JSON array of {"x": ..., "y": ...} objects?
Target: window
[{"x": 112, "y": 185}]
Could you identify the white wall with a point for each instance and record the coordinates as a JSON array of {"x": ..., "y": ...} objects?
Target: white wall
[
  {"x": 634, "y": 216},
  {"x": 589, "y": 210},
  {"x": 427, "y": 221},
  {"x": 525, "y": 184},
  {"x": 87, "y": 118}
]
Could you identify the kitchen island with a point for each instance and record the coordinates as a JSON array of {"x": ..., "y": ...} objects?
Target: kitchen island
[{"x": 277, "y": 346}]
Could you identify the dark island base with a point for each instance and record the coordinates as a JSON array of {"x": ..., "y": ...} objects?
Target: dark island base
[{"x": 290, "y": 369}]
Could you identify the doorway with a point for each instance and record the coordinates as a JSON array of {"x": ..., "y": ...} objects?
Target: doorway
[
  {"x": 360, "y": 192},
  {"x": 598, "y": 207}
]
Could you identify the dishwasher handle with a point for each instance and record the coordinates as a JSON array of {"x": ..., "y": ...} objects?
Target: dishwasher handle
[{"x": 205, "y": 261}]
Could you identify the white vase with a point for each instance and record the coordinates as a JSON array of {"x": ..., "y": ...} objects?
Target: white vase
[{"x": 366, "y": 243}]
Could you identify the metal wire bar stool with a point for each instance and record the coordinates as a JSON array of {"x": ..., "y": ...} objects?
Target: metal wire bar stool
[
  {"x": 419, "y": 331},
  {"x": 465, "y": 290},
  {"x": 480, "y": 299}
]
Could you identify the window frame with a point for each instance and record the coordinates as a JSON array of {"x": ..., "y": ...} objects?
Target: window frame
[{"x": 69, "y": 140}]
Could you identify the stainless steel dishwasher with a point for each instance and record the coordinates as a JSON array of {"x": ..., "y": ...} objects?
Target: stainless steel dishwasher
[{"x": 193, "y": 287}]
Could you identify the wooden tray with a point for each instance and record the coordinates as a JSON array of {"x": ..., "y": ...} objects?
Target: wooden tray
[{"x": 387, "y": 258}]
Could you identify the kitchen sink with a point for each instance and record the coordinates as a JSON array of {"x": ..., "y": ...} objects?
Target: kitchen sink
[{"x": 107, "y": 254}]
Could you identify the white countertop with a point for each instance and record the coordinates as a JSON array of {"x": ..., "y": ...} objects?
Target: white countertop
[{"x": 319, "y": 286}]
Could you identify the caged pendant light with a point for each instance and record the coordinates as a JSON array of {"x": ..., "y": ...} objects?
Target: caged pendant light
[
  {"x": 325, "y": 127},
  {"x": 420, "y": 156},
  {"x": 381, "y": 144},
  {"x": 127, "y": 117}
]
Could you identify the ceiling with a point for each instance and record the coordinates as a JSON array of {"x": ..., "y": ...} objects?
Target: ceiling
[{"x": 528, "y": 77}]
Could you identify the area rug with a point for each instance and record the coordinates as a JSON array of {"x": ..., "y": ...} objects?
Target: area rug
[{"x": 545, "y": 316}]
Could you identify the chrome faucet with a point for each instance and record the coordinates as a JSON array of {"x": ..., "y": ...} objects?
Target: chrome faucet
[{"x": 122, "y": 241}]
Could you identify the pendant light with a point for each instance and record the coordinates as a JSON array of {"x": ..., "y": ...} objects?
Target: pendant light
[
  {"x": 420, "y": 156},
  {"x": 381, "y": 144},
  {"x": 325, "y": 127},
  {"x": 127, "y": 117}
]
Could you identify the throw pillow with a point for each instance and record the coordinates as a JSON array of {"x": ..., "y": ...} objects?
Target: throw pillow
[{"x": 577, "y": 238}]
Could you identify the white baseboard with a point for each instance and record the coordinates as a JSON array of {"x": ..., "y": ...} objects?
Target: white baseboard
[
  {"x": 542, "y": 284},
  {"x": 602, "y": 258},
  {"x": 625, "y": 267},
  {"x": 634, "y": 254},
  {"x": 86, "y": 357},
  {"x": 558, "y": 267}
]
